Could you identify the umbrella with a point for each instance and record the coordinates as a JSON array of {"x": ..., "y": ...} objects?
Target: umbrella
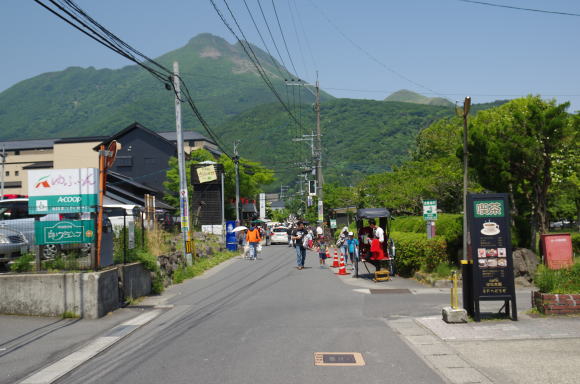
[{"x": 240, "y": 228}]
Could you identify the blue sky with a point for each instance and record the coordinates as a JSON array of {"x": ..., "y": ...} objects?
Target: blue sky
[{"x": 445, "y": 47}]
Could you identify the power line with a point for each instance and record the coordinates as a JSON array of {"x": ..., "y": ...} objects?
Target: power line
[
  {"x": 305, "y": 35},
  {"x": 520, "y": 8},
  {"x": 262, "y": 75},
  {"x": 298, "y": 39},
  {"x": 272, "y": 36},
  {"x": 368, "y": 54},
  {"x": 284, "y": 39}
]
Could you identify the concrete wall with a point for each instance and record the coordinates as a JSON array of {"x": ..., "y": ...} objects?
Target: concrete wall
[
  {"x": 90, "y": 295},
  {"x": 16, "y": 163},
  {"x": 136, "y": 280}
]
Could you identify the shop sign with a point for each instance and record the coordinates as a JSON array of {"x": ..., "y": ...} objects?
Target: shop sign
[
  {"x": 333, "y": 223},
  {"x": 206, "y": 174},
  {"x": 64, "y": 232},
  {"x": 62, "y": 190},
  {"x": 490, "y": 247}
]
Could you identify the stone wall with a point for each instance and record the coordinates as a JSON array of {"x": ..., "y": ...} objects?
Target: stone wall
[{"x": 556, "y": 304}]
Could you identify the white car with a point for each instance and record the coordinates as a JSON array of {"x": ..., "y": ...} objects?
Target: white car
[{"x": 279, "y": 235}]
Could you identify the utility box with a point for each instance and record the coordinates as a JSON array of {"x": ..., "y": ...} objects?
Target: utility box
[{"x": 557, "y": 250}]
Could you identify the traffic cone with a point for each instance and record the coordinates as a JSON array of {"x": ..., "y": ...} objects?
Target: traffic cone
[
  {"x": 342, "y": 268},
  {"x": 335, "y": 260}
]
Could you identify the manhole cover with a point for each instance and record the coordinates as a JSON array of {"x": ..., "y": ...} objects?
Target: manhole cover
[
  {"x": 396, "y": 290},
  {"x": 338, "y": 359}
]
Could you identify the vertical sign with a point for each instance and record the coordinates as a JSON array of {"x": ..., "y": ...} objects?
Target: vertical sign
[
  {"x": 262, "y": 206},
  {"x": 320, "y": 210},
  {"x": 490, "y": 246},
  {"x": 184, "y": 207},
  {"x": 430, "y": 210}
]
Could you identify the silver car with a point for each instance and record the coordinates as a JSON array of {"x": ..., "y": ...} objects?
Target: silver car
[{"x": 12, "y": 244}]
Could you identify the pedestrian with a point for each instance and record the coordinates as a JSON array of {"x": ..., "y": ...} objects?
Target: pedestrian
[
  {"x": 289, "y": 232},
  {"x": 341, "y": 242},
  {"x": 298, "y": 236},
  {"x": 379, "y": 233},
  {"x": 352, "y": 247},
  {"x": 321, "y": 246},
  {"x": 377, "y": 252},
  {"x": 253, "y": 238}
]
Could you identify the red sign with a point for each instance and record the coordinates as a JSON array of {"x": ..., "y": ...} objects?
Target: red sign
[{"x": 557, "y": 250}]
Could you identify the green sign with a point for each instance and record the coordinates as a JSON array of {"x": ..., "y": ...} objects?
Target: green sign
[
  {"x": 430, "y": 210},
  {"x": 64, "y": 232},
  {"x": 333, "y": 223},
  {"x": 488, "y": 208},
  {"x": 61, "y": 204}
]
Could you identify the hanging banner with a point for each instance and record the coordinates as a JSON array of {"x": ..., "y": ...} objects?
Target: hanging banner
[
  {"x": 262, "y": 206},
  {"x": 206, "y": 174}
]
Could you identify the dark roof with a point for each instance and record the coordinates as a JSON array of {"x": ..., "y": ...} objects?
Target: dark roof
[
  {"x": 128, "y": 180},
  {"x": 131, "y": 127},
  {"x": 249, "y": 208},
  {"x": 40, "y": 165},
  {"x": 187, "y": 136},
  {"x": 86, "y": 139},
  {"x": 214, "y": 151},
  {"x": 126, "y": 197},
  {"x": 277, "y": 204},
  {"x": 27, "y": 144}
]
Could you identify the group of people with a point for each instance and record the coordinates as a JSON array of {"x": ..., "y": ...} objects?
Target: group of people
[{"x": 250, "y": 240}]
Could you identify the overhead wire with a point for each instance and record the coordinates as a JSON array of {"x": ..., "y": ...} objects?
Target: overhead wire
[
  {"x": 298, "y": 41},
  {"x": 520, "y": 8},
  {"x": 284, "y": 39}
]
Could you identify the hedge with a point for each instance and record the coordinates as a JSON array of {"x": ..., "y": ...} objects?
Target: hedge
[
  {"x": 449, "y": 226},
  {"x": 415, "y": 251},
  {"x": 565, "y": 281},
  {"x": 576, "y": 243}
]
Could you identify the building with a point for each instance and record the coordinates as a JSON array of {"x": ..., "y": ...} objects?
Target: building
[{"x": 143, "y": 156}]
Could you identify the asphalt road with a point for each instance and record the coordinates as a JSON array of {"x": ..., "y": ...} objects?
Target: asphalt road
[{"x": 261, "y": 322}]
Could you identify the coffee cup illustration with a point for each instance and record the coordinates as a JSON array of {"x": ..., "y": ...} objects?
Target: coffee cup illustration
[{"x": 490, "y": 229}]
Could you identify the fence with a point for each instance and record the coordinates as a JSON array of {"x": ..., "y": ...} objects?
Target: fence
[{"x": 66, "y": 241}]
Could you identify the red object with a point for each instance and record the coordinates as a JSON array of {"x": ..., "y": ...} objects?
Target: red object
[
  {"x": 377, "y": 250},
  {"x": 342, "y": 268},
  {"x": 557, "y": 250},
  {"x": 335, "y": 260}
]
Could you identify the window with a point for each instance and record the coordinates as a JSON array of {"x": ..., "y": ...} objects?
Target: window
[
  {"x": 16, "y": 153},
  {"x": 16, "y": 173},
  {"x": 7, "y": 173},
  {"x": 124, "y": 161}
]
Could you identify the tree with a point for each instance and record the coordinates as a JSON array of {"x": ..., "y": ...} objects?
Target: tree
[
  {"x": 512, "y": 148},
  {"x": 252, "y": 176}
]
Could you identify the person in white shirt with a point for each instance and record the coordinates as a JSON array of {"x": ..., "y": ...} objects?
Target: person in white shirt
[{"x": 378, "y": 231}]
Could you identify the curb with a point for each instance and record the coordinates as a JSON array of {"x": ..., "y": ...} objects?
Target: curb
[{"x": 67, "y": 364}]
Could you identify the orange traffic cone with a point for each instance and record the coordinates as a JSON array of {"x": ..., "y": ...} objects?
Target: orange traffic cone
[
  {"x": 342, "y": 268},
  {"x": 335, "y": 260}
]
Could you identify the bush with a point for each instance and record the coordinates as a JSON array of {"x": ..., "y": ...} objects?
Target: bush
[
  {"x": 566, "y": 280},
  {"x": 415, "y": 251},
  {"x": 449, "y": 226},
  {"x": 576, "y": 243},
  {"x": 23, "y": 263},
  {"x": 201, "y": 265}
]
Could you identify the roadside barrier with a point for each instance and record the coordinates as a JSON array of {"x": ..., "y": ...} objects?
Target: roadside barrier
[
  {"x": 335, "y": 260},
  {"x": 342, "y": 268}
]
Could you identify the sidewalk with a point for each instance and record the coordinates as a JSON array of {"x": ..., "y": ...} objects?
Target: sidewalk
[{"x": 531, "y": 350}]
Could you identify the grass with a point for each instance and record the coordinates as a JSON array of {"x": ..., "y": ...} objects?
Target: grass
[
  {"x": 564, "y": 281},
  {"x": 69, "y": 315},
  {"x": 201, "y": 265},
  {"x": 23, "y": 264}
]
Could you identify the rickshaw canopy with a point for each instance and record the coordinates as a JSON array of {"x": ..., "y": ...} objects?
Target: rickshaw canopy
[{"x": 372, "y": 213}]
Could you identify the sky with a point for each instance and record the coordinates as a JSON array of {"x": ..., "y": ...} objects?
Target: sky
[{"x": 361, "y": 49}]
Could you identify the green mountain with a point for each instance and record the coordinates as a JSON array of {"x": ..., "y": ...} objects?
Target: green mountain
[
  {"x": 359, "y": 137},
  {"x": 406, "y": 96},
  {"x": 89, "y": 101}
]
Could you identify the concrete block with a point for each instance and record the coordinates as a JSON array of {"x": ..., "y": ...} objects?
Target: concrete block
[{"x": 451, "y": 315}]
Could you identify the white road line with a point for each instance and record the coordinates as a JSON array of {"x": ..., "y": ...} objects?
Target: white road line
[
  {"x": 65, "y": 365},
  {"x": 363, "y": 290}
]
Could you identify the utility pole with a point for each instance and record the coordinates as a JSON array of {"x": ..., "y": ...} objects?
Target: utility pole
[
  {"x": 237, "y": 165},
  {"x": 3, "y": 156},
  {"x": 464, "y": 114},
  {"x": 183, "y": 194},
  {"x": 316, "y": 149}
]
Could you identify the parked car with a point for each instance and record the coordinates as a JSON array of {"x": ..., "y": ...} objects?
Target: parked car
[
  {"x": 14, "y": 215},
  {"x": 12, "y": 244},
  {"x": 279, "y": 235}
]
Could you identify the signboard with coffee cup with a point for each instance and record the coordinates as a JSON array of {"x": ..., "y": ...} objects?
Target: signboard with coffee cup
[{"x": 489, "y": 240}]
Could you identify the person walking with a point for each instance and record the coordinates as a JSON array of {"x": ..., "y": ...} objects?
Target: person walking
[
  {"x": 253, "y": 238},
  {"x": 289, "y": 232},
  {"x": 298, "y": 237},
  {"x": 321, "y": 246},
  {"x": 352, "y": 247},
  {"x": 341, "y": 243}
]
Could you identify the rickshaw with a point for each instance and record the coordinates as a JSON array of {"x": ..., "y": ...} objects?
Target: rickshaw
[{"x": 384, "y": 268}]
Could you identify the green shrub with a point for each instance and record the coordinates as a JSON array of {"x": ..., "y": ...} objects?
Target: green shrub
[
  {"x": 201, "y": 265},
  {"x": 444, "y": 270},
  {"x": 23, "y": 263},
  {"x": 415, "y": 251},
  {"x": 449, "y": 226},
  {"x": 576, "y": 243},
  {"x": 566, "y": 281}
]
